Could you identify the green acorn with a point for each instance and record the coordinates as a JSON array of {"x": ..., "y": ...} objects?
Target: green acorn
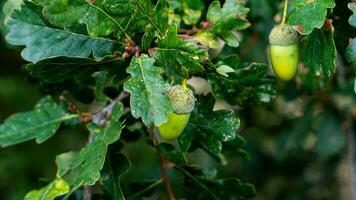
[
  {"x": 284, "y": 54},
  {"x": 183, "y": 102}
]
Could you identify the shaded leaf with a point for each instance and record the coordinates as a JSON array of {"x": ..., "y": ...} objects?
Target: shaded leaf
[
  {"x": 224, "y": 70},
  {"x": 352, "y": 19},
  {"x": 236, "y": 147},
  {"x": 187, "y": 11},
  {"x": 351, "y": 51},
  {"x": 39, "y": 124},
  {"x": 201, "y": 186},
  {"x": 115, "y": 166},
  {"x": 210, "y": 127},
  {"x": 55, "y": 189},
  {"x": 191, "y": 16},
  {"x": 144, "y": 188},
  {"x": 148, "y": 37},
  {"x": 147, "y": 87},
  {"x": 83, "y": 167},
  {"x": 172, "y": 154},
  {"x": 158, "y": 20},
  {"x": 43, "y": 42},
  {"x": 318, "y": 53},
  {"x": 58, "y": 69},
  {"x": 101, "y": 80},
  {"x": 8, "y": 7},
  {"x": 246, "y": 86},
  {"x": 93, "y": 14},
  {"x": 225, "y": 20},
  {"x": 103, "y": 17},
  {"x": 182, "y": 56},
  {"x": 309, "y": 14}
]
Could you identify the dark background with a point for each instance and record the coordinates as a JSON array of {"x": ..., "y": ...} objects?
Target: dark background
[{"x": 289, "y": 148}]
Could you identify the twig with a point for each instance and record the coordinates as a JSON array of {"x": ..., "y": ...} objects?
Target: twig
[
  {"x": 87, "y": 193},
  {"x": 189, "y": 31},
  {"x": 84, "y": 117},
  {"x": 162, "y": 164},
  {"x": 100, "y": 117}
]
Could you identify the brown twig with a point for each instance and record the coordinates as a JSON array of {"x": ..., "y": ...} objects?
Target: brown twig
[
  {"x": 101, "y": 117},
  {"x": 162, "y": 164},
  {"x": 206, "y": 24},
  {"x": 84, "y": 116},
  {"x": 192, "y": 31},
  {"x": 87, "y": 193},
  {"x": 98, "y": 118}
]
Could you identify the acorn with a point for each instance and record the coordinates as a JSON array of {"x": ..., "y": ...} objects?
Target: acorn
[
  {"x": 183, "y": 102},
  {"x": 284, "y": 54}
]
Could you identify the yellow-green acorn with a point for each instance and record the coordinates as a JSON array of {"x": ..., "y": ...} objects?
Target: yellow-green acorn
[
  {"x": 284, "y": 54},
  {"x": 183, "y": 102}
]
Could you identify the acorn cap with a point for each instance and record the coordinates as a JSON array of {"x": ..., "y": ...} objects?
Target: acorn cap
[
  {"x": 182, "y": 99},
  {"x": 283, "y": 35}
]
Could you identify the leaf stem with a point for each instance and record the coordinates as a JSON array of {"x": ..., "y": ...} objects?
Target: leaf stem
[
  {"x": 217, "y": 156},
  {"x": 284, "y": 12},
  {"x": 100, "y": 117},
  {"x": 114, "y": 20},
  {"x": 149, "y": 19},
  {"x": 87, "y": 193},
  {"x": 184, "y": 84},
  {"x": 71, "y": 192},
  {"x": 197, "y": 181},
  {"x": 162, "y": 164},
  {"x": 153, "y": 185},
  {"x": 192, "y": 31}
]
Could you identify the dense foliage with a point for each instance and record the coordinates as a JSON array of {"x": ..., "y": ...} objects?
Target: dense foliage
[{"x": 104, "y": 67}]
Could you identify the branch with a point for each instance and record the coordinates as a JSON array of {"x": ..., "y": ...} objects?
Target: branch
[
  {"x": 84, "y": 116},
  {"x": 162, "y": 164},
  {"x": 87, "y": 193},
  {"x": 101, "y": 117},
  {"x": 189, "y": 31}
]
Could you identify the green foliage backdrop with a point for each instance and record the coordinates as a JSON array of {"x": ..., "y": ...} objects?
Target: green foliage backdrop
[{"x": 87, "y": 80}]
